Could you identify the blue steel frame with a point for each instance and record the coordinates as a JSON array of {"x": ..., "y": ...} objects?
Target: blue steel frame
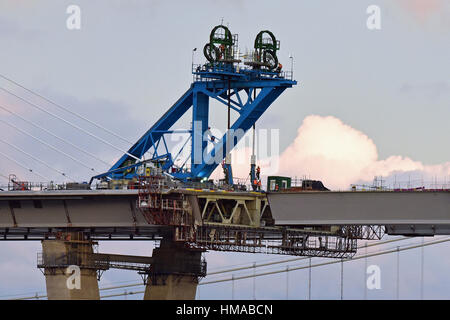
[{"x": 223, "y": 82}]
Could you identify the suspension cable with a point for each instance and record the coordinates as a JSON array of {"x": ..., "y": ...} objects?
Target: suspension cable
[
  {"x": 378, "y": 253},
  {"x": 328, "y": 262},
  {"x": 292, "y": 269},
  {"x": 36, "y": 159},
  {"x": 48, "y": 145},
  {"x": 269, "y": 263},
  {"x": 67, "y": 110},
  {"x": 24, "y": 166},
  {"x": 230, "y": 270},
  {"x": 3, "y": 176},
  {"x": 69, "y": 123},
  {"x": 54, "y": 135}
]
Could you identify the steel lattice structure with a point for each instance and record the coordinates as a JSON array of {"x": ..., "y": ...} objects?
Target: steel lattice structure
[{"x": 247, "y": 90}]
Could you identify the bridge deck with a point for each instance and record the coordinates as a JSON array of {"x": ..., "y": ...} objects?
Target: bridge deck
[
  {"x": 365, "y": 208},
  {"x": 113, "y": 214},
  {"x": 101, "y": 213}
]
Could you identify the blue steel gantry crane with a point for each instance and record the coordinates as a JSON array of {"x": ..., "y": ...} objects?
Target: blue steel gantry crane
[{"x": 248, "y": 90}]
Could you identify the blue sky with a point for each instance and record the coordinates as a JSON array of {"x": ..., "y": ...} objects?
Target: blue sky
[{"x": 131, "y": 60}]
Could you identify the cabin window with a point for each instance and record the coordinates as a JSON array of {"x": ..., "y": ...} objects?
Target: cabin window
[{"x": 272, "y": 184}]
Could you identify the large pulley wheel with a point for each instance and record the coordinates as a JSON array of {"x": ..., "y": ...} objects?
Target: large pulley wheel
[
  {"x": 211, "y": 52},
  {"x": 270, "y": 59}
]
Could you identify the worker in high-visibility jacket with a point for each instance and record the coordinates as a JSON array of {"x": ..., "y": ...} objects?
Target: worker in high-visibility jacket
[{"x": 279, "y": 67}]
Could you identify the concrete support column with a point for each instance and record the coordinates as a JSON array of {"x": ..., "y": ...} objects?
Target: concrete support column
[
  {"x": 174, "y": 287},
  {"x": 62, "y": 280},
  {"x": 175, "y": 272}
]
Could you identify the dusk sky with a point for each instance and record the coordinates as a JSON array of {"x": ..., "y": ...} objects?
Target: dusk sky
[{"x": 368, "y": 102}]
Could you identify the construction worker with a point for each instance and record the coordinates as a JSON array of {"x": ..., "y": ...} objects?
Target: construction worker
[
  {"x": 280, "y": 66},
  {"x": 222, "y": 51},
  {"x": 225, "y": 171}
]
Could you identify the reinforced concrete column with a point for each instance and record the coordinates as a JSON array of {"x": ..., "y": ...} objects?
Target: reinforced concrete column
[
  {"x": 61, "y": 260},
  {"x": 175, "y": 272}
]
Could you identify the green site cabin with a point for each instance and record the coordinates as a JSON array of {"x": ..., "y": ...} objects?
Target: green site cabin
[{"x": 276, "y": 183}]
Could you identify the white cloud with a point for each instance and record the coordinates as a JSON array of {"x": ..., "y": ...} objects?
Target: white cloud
[{"x": 327, "y": 149}]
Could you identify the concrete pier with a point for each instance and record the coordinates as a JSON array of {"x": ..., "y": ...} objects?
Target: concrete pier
[
  {"x": 175, "y": 287},
  {"x": 175, "y": 272},
  {"x": 61, "y": 260}
]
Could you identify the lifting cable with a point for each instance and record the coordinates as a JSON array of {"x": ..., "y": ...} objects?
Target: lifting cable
[
  {"x": 38, "y": 160},
  {"x": 69, "y": 123},
  {"x": 67, "y": 110},
  {"x": 24, "y": 166},
  {"x": 48, "y": 145},
  {"x": 54, "y": 135}
]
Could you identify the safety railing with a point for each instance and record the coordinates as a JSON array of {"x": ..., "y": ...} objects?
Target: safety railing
[
  {"x": 87, "y": 261},
  {"x": 211, "y": 71},
  {"x": 32, "y": 186}
]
